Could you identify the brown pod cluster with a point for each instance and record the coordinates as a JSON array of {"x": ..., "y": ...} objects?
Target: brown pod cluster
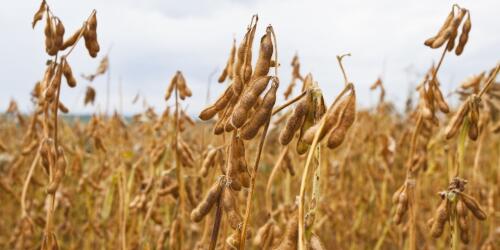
[
  {"x": 90, "y": 36},
  {"x": 449, "y": 31},
  {"x": 470, "y": 109},
  {"x": 60, "y": 169},
  {"x": 295, "y": 121},
  {"x": 207, "y": 202},
  {"x": 400, "y": 198},
  {"x": 262, "y": 113},
  {"x": 228, "y": 70},
  {"x": 179, "y": 82},
  {"x": 247, "y": 100},
  {"x": 345, "y": 121},
  {"x": 456, "y": 203}
]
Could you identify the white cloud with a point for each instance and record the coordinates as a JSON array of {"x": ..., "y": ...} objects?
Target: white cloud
[{"x": 152, "y": 39}]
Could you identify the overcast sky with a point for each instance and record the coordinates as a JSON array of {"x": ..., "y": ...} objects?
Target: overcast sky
[{"x": 152, "y": 39}]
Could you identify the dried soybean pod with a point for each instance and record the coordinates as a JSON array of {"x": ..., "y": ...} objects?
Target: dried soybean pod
[
  {"x": 290, "y": 238},
  {"x": 59, "y": 172},
  {"x": 265, "y": 54},
  {"x": 464, "y": 36},
  {"x": 454, "y": 28},
  {"x": 240, "y": 65},
  {"x": 262, "y": 115},
  {"x": 63, "y": 108},
  {"x": 39, "y": 14},
  {"x": 171, "y": 87},
  {"x": 228, "y": 70},
  {"x": 244, "y": 174},
  {"x": 90, "y": 36},
  {"x": 302, "y": 145},
  {"x": 346, "y": 119},
  {"x": 294, "y": 122},
  {"x": 402, "y": 206},
  {"x": 445, "y": 25},
  {"x": 68, "y": 73},
  {"x": 473, "y": 119},
  {"x": 440, "y": 40},
  {"x": 248, "y": 100},
  {"x": 208, "y": 161},
  {"x": 182, "y": 86},
  {"x": 246, "y": 70},
  {"x": 206, "y": 204},
  {"x": 59, "y": 35},
  {"x": 457, "y": 120},
  {"x": 443, "y": 106},
  {"x": 49, "y": 35},
  {"x": 462, "y": 222},
  {"x": 219, "y": 105},
  {"x": 473, "y": 206},
  {"x": 71, "y": 40},
  {"x": 230, "y": 207},
  {"x": 440, "y": 218},
  {"x": 54, "y": 84}
]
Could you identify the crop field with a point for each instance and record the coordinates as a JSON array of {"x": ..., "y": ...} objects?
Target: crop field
[{"x": 268, "y": 164}]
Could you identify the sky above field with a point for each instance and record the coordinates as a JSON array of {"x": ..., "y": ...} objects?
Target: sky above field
[{"x": 148, "y": 41}]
